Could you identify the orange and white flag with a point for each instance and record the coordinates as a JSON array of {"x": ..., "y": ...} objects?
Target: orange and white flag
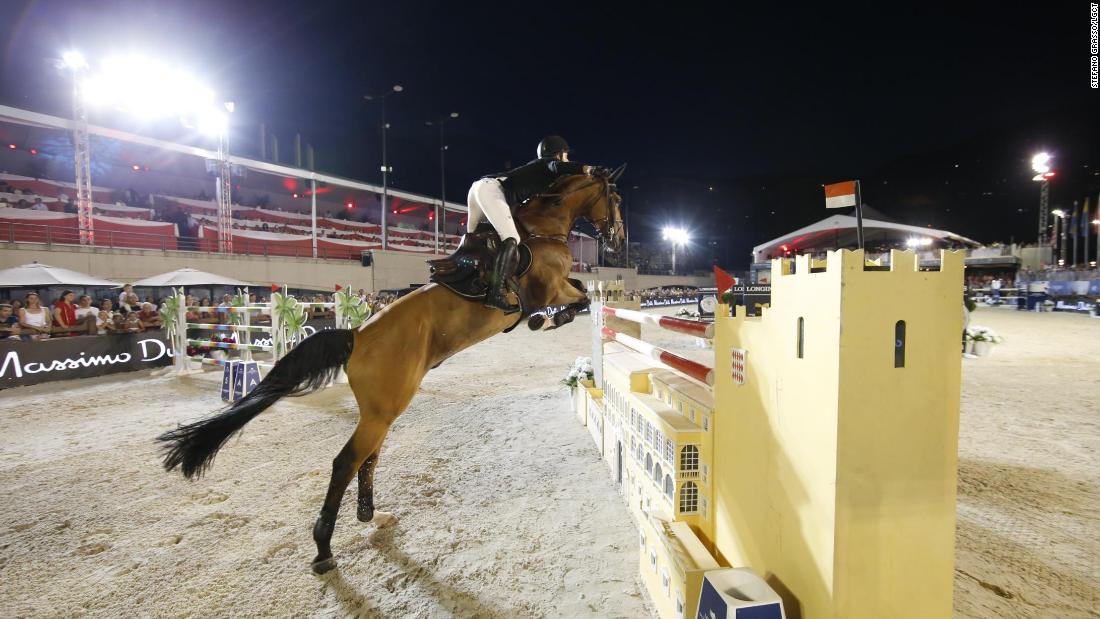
[{"x": 841, "y": 195}]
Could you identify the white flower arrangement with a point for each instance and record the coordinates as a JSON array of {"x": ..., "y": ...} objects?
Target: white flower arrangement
[
  {"x": 581, "y": 368},
  {"x": 978, "y": 333}
]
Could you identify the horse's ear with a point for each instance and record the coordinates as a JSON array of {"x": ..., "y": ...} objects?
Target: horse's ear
[{"x": 617, "y": 172}]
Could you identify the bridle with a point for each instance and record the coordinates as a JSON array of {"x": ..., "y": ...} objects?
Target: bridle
[{"x": 606, "y": 227}]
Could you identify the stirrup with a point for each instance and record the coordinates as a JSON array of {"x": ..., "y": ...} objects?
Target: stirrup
[{"x": 498, "y": 299}]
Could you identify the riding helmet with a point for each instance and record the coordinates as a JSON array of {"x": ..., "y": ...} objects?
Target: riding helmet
[{"x": 552, "y": 145}]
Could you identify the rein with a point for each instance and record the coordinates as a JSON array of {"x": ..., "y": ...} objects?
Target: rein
[{"x": 604, "y": 226}]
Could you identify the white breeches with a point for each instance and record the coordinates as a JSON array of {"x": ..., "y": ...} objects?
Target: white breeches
[{"x": 486, "y": 201}]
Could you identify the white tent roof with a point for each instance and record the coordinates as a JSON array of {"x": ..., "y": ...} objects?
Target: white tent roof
[
  {"x": 189, "y": 277},
  {"x": 38, "y": 274},
  {"x": 822, "y": 230}
]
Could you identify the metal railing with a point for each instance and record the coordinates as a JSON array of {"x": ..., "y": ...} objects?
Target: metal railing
[{"x": 13, "y": 232}]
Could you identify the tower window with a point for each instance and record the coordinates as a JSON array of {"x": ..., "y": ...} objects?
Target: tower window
[
  {"x": 689, "y": 458},
  {"x": 689, "y": 498},
  {"x": 899, "y": 344},
  {"x": 801, "y": 336}
]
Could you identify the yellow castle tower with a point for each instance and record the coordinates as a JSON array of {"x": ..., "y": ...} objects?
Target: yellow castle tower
[
  {"x": 823, "y": 459},
  {"x": 836, "y": 436}
]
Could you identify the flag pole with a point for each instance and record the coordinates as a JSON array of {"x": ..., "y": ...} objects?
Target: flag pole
[{"x": 859, "y": 217}]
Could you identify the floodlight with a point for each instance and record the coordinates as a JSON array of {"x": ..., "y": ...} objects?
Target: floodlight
[
  {"x": 454, "y": 114},
  {"x": 398, "y": 88},
  {"x": 73, "y": 59},
  {"x": 96, "y": 91},
  {"x": 678, "y": 236},
  {"x": 1041, "y": 163},
  {"x": 1058, "y": 212},
  {"x": 212, "y": 122}
]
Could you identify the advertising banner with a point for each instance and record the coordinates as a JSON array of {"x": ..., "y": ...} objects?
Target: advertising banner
[{"x": 29, "y": 363}]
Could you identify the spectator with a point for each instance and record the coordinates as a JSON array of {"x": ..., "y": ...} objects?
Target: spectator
[
  {"x": 126, "y": 298},
  {"x": 117, "y": 323},
  {"x": 132, "y": 323},
  {"x": 84, "y": 308},
  {"x": 34, "y": 320},
  {"x": 39, "y": 205},
  {"x": 65, "y": 319},
  {"x": 16, "y": 305},
  {"x": 150, "y": 317},
  {"x": 9, "y": 323}
]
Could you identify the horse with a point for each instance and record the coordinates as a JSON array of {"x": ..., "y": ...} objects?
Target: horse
[{"x": 388, "y": 356}]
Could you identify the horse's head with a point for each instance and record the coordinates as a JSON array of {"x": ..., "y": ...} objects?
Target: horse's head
[{"x": 601, "y": 206}]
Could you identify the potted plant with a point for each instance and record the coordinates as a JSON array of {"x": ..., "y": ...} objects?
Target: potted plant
[
  {"x": 580, "y": 370},
  {"x": 983, "y": 338}
]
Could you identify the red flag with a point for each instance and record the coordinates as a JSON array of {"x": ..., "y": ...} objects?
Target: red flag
[
  {"x": 274, "y": 287},
  {"x": 840, "y": 195},
  {"x": 339, "y": 287},
  {"x": 724, "y": 280}
]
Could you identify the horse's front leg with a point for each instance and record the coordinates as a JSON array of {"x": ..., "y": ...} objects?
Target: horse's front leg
[{"x": 570, "y": 293}]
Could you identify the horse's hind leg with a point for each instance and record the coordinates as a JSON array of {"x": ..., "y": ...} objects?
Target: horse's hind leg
[
  {"x": 366, "y": 511},
  {"x": 365, "y": 442}
]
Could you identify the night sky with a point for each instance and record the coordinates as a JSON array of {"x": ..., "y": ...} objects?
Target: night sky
[{"x": 730, "y": 118}]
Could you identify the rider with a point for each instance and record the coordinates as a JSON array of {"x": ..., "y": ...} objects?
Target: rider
[{"x": 492, "y": 197}]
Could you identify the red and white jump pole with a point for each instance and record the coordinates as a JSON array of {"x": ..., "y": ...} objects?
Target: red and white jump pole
[
  {"x": 696, "y": 370},
  {"x": 697, "y": 328}
]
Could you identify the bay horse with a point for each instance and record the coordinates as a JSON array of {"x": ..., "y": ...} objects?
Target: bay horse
[{"x": 388, "y": 356}]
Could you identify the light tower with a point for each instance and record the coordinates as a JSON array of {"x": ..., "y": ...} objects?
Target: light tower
[
  {"x": 1043, "y": 173},
  {"x": 442, "y": 175},
  {"x": 74, "y": 62},
  {"x": 381, "y": 97},
  {"x": 676, "y": 237}
]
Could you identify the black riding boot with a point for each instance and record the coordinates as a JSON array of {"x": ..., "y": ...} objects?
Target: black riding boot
[{"x": 504, "y": 266}]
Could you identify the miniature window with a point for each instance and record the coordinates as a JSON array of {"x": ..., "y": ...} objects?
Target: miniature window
[
  {"x": 657, "y": 472},
  {"x": 664, "y": 580},
  {"x": 648, "y": 464},
  {"x": 670, "y": 488},
  {"x": 691, "y": 416},
  {"x": 706, "y": 423},
  {"x": 801, "y": 334},
  {"x": 680, "y": 602},
  {"x": 670, "y": 452},
  {"x": 689, "y": 458},
  {"x": 703, "y": 505},
  {"x": 705, "y": 471},
  {"x": 681, "y": 405},
  {"x": 689, "y": 498},
  {"x": 899, "y": 344},
  {"x": 653, "y": 560}
]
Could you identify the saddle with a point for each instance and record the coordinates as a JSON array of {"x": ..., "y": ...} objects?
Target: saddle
[{"x": 465, "y": 271}]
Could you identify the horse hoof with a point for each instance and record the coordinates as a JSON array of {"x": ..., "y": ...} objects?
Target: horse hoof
[
  {"x": 536, "y": 322},
  {"x": 324, "y": 566},
  {"x": 382, "y": 520}
]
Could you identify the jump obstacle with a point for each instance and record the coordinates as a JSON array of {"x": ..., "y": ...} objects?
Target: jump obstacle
[
  {"x": 815, "y": 457},
  {"x": 695, "y": 328},
  {"x": 281, "y": 336}
]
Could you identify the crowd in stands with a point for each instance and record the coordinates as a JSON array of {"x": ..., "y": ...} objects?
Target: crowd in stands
[
  {"x": 69, "y": 315},
  {"x": 31, "y": 319},
  {"x": 663, "y": 295}
]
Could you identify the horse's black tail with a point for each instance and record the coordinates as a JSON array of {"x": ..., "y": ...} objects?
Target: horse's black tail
[{"x": 310, "y": 365}]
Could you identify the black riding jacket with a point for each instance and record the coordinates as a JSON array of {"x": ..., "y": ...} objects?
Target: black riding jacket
[{"x": 534, "y": 178}]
